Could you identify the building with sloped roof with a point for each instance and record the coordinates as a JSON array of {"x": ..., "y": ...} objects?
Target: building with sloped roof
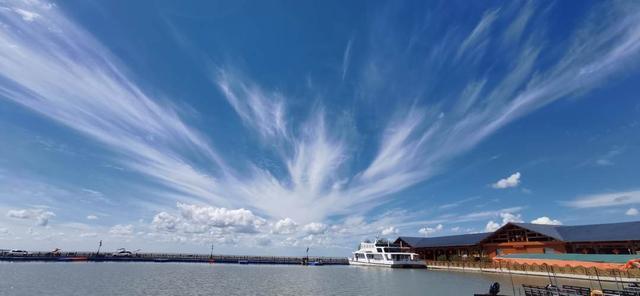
[{"x": 527, "y": 238}]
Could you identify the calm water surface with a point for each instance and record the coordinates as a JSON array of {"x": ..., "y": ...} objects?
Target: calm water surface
[{"x": 40, "y": 278}]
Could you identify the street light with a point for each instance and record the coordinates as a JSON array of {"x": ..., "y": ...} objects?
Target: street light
[{"x": 99, "y": 246}]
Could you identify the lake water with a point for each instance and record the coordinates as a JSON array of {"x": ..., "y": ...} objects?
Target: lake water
[{"x": 39, "y": 278}]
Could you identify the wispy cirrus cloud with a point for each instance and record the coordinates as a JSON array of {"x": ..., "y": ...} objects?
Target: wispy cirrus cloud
[
  {"x": 622, "y": 198},
  {"x": 419, "y": 140},
  {"x": 263, "y": 112},
  {"x": 479, "y": 34},
  {"x": 54, "y": 67},
  {"x": 346, "y": 59}
]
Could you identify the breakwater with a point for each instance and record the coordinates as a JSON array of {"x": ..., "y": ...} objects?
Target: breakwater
[{"x": 172, "y": 257}]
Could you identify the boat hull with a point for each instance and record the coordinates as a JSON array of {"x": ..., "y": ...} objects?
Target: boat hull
[{"x": 390, "y": 265}]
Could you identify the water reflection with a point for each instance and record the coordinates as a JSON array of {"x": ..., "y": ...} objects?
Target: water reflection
[{"x": 227, "y": 279}]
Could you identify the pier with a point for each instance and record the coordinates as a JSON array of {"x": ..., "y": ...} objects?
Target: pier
[{"x": 172, "y": 257}]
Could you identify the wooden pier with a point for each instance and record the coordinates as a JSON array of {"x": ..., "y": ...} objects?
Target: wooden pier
[{"x": 172, "y": 257}]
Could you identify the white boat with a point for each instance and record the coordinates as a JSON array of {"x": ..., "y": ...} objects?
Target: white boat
[{"x": 383, "y": 253}]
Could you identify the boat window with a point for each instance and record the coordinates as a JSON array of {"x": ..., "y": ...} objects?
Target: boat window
[{"x": 379, "y": 250}]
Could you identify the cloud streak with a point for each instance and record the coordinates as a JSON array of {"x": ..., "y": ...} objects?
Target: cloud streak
[
  {"x": 52, "y": 66},
  {"x": 346, "y": 59},
  {"x": 622, "y": 198},
  {"x": 419, "y": 140}
]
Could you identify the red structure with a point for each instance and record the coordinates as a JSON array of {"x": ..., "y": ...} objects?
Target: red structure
[{"x": 527, "y": 238}]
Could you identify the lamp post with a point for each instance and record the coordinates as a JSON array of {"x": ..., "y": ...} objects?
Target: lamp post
[
  {"x": 307, "y": 258},
  {"x": 99, "y": 246}
]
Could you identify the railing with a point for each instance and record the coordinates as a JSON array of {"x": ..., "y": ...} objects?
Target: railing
[
  {"x": 540, "y": 268},
  {"x": 567, "y": 290},
  {"x": 179, "y": 257}
]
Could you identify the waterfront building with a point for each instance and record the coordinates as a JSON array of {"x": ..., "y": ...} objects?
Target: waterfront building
[{"x": 527, "y": 238}]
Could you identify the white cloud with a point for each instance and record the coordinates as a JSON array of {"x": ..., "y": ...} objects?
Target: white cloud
[
  {"x": 121, "y": 230},
  {"x": 457, "y": 203},
  {"x": 632, "y": 212},
  {"x": 607, "y": 159},
  {"x": 40, "y": 216},
  {"x": 428, "y": 231},
  {"x": 92, "y": 217},
  {"x": 479, "y": 33},
  {"x": 240, "y": 220},
  {"x": 516, "y": 28},
  {"x": 417, "y": 142},
  {"x": 389, "y": 231},
  {"x": 546, "y": 220},
  {"x": 88, "y": 234},
  {"x": 507, "y": 217},
  {"x": 510, "y": 217},
  {"x": 314, "y": 228},
  {"x": 164, "y": 221},
  {"x": 198, "y": 223},
  {"x": 346, "y": 59},
  {"x": 622, "y": 198},
  {"x": 262, "y": 111},
  {"x": 511, "y": 181},
  {"x": 285, "y": 226},
  {"x": 57, "y": 69},
  {"x": 26, "y": 15},
  {"x": 263, "y": 241},
  {"x": 491, "y": 226}
]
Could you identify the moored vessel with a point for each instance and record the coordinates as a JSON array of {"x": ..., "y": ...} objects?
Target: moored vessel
[{"x": 385, "y": 254}]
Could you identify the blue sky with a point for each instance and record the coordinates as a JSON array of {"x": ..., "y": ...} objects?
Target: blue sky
[{"x": 267, "y": 127}]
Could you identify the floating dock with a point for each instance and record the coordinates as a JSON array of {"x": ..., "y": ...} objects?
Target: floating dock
[{"x": 173, "y": 257}]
